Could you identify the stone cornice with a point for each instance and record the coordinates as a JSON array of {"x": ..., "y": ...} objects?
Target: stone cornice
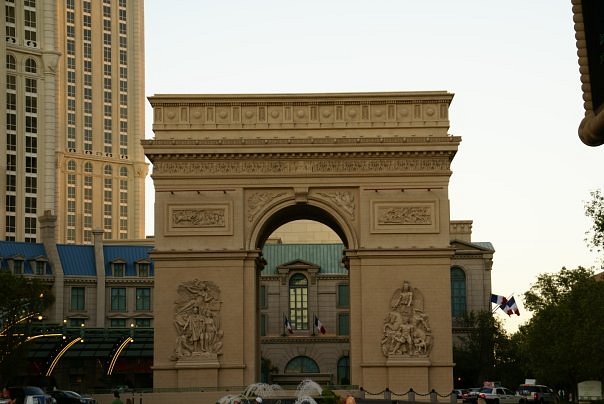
[{"x": 211, "y": 112}]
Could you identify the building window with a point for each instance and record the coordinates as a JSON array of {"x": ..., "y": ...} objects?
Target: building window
[
  {"x": 263, "y": 298},
  {"x": 143, "y": 299},
  {"x": 40, "y": 267},
  {"x": 143, "y": 269},
  {"x": 142, "y": 323},
  {"x": 343, "y": 324},
  {"x": 77, "y": 322},
  {"x": 118, "y": 299},
  {"x": 302, "y": 364},
  {"x": 119, "y": 269},
  {"x": 344, "y": 371},
  {"x": 31, "y": 66},
  {"x": 458, "y": 292},
  {"x": 263, "y": 324},
  {"x": 118, "y": 323},
  {"x": 298, "y": 302},
  {"x": 343, "y": 295},
  {"x": 17, "y": 266},
  {"x": 78, "y": 298}
]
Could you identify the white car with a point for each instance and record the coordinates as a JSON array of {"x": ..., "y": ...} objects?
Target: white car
[{"x": 497, "y": 395}]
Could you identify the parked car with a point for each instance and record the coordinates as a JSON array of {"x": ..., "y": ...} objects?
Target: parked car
[
  {"x": 497, "y": 395},
  {"x": 70, "y": 397},
  {"x": 535, "y": 393},
  {"x": 30, "y": 395},
  {"x": 471, "y": 395}
]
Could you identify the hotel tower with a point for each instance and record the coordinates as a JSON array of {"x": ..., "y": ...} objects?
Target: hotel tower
[{"x": 74, "y": 96}]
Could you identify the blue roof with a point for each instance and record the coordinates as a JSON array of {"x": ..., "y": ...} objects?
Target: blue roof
[
  {"x": 128, "y": 253},
  {"x": 327, "y": 256},
  {"x": 77, "y": 260},
  {"x": 29, "y": 251}
]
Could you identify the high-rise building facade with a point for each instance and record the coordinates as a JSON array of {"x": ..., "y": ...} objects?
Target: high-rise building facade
[{"x": 74, "y": 88}]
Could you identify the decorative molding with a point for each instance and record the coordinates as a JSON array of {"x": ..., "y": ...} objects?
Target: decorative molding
[
  {"x": 344, "y": 199},
  {"x": 256, "y": 201},
  {"x": 404, "y": 217},
  {"x": 204, "y": 218},
  {"x": 406, "y": 332},
  {"x": 253, "y": 168},
  {"x": 278, "y": 111},
  {"x": 197, "y": 322}
]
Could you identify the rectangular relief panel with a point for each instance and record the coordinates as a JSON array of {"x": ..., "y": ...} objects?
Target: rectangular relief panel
[
  {"x": 200, "y": 219},
  {"x": 404, "y": 217}
]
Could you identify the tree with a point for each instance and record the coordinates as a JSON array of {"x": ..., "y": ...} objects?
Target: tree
[
  {"x": 23, "y": 301},
  {"x": 550, "y": 289},
  {"x": 484, "y": 353},
  {"x": 562, "y": 341},
  {"x": 594, "y": 209}
]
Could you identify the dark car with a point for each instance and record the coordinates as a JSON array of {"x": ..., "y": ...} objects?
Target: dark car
[
  {"x": 70, "y": 397},
  {"x": 30, "y": 395}
]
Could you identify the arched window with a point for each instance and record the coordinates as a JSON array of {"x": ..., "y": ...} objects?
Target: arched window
[
  {"x": 344, "y": 371},
  {"x": 88, "y": 167},
  {"x": 108, "y": 170},
  {"x": 71, "y": 165},
  {"x": 458, "y": 292},
  {"x": 302, "y": 364},
  {"x": 298, "y": 302},
  {"x": 123, "y": 172},
  {"x": 11, "y": 64},
  {"x": 30, "y": 66}
]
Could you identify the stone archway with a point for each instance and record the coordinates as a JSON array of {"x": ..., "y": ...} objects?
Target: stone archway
[{"x": 228, "y": 169}]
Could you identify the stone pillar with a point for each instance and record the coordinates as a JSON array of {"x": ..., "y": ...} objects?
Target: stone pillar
[
  {"x": 99, "y": 263},
  {"x": 48, "y": 224}
]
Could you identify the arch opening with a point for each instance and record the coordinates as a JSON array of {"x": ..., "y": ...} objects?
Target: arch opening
[{"x": 299, "y": 212}]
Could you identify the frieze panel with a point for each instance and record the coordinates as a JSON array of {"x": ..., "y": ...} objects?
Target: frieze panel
[
  {"x": 247, "y": 114},
  {"x": 401, "y": 167},
  {"x": 406, "y": 331},
  {"x": 199, "y": 219},
  {"x": 404, "y": 217},
  {"x": 197, "y": 321}
]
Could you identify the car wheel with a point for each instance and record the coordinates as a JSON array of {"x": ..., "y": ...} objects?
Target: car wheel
[{"x": 496, "y": 401}]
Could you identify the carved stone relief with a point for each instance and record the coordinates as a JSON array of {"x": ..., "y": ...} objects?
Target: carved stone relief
[
  {"x": 404, "y": 215},
  {"x": 407, "y": 167},
  {"x": 197, "y": 320},
  {"x": 406, "y": 330},
  {"x": 198, "y": 217},
  {"x": 257, "y": 200},
  {"x": 343, "y": 199}
]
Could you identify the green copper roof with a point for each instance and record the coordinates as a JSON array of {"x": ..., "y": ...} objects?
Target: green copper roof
[{"x": 327, "y": 256}]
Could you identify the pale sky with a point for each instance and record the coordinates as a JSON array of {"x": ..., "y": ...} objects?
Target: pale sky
[{"x": 521, "y": 172}]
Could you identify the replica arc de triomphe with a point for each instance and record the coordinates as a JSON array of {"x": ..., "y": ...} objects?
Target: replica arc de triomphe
[{"x": 230, "y": 169}]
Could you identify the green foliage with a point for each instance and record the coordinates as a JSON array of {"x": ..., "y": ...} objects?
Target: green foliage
[
  {"x": 21, "y": 302},
  {"x": 594, "y": 209},
  {"x": 485, "y": 353},
  {"x": 551, "y": 288},
  {"x": 329, "y": 397},
  {"x": 562, "y": 341}
]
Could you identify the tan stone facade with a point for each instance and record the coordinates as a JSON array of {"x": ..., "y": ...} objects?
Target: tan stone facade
[
  {"x": 73, "y": 85},
  {"x": 374, "y": 167}
]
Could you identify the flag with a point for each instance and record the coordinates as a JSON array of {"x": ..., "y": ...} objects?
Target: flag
[
  {"x": 287, "y": 324},
  {"x": 511, "y": 307},
  {"x": 319, "y": 325},
  {"x": 499, "y": 300}
]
